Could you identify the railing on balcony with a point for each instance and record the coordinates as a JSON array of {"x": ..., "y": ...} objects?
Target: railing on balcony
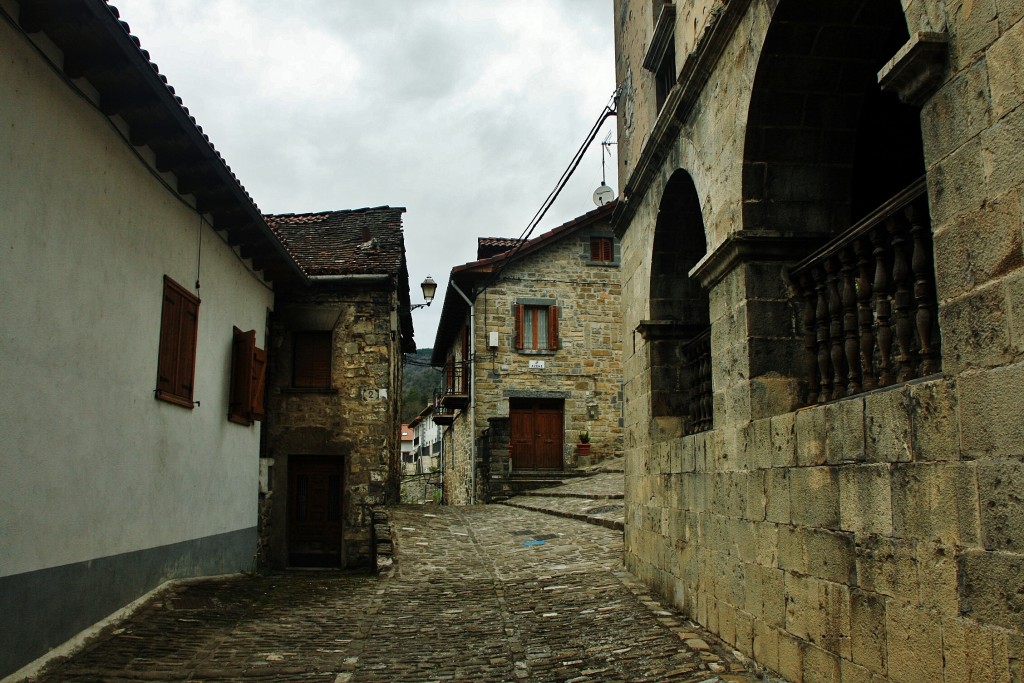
[
  {"x": 455, "y": 393},
  {"x": 696, "y": 378},
  {"x": 868, "y": 302},
  {"x": 442, "y": 415}
]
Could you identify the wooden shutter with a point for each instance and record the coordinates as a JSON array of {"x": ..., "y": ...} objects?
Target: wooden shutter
[
  {"x": 519, "y": 326},
  {"x": 179, "y": 327},
  {"x": 312, "y": 360},
  {"x": 601, "y": 249},
  {"x": 552, "y": 327},
  {"x": 242, "y": 351},
  {"x": 259, "y": 383}
]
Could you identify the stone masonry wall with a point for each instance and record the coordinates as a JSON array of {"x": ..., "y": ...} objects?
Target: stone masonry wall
[
  {"x": 586, "y": 370},
  {"x": 354, "y": 420},
  {"x": 875, "y": 538}
]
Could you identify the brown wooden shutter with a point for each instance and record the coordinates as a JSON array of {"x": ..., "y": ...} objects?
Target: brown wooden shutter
[
  {"x": 595, "y": 249},
  {"x": 552, "y": 327},
  {"x": 312, "y": 360},
  {"x": 179, "y": 328},
  {"x": 242, "y": 352},
  {"x": 259, "y": 383},
  {"x": 601, "y": 249},
  {"x": 519, "y": 326}
]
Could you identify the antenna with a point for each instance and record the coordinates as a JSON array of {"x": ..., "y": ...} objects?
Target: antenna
[{"x": 604, "y": 194}]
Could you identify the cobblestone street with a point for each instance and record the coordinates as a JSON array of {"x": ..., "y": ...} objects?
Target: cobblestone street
[{"x": 491, "y": 593}]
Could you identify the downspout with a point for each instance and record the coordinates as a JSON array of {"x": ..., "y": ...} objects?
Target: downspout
[{"x": 472, "y": 392}]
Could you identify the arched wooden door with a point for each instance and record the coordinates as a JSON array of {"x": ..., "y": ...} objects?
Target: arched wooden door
[{"x": 536, "y": 433}]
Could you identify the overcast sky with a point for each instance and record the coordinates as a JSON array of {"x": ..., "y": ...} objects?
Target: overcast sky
[{"x": 465, "y": 112}]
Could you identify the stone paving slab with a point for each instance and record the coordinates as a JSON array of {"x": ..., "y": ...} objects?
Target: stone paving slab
[
  {"x": 596, "y": 499},
  {"x": 480, "y": 594}
]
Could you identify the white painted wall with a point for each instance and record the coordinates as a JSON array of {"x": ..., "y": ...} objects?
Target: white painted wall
[{"x": 91, "y": 465}]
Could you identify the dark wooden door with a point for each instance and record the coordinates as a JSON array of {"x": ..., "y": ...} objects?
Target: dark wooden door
[
  {"x": 314, "y": 511},
  {"x": 535, "y": 434}
]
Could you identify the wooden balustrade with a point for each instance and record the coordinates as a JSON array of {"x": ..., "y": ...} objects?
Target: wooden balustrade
[
  {"x": 869, "y": 311},
  {"x": 696, "y": 379}
]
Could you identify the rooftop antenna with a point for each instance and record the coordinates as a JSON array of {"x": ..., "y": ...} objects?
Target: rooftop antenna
[{"x": 604, "y": 194}]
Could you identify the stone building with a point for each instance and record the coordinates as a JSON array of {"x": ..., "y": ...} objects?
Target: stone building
[
  {"x": 336, "y": 345},
  {"x": 530, "y": 341},
  {"x": 821, "y": 226}
]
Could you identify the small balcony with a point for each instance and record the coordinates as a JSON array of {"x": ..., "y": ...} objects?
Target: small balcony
[
  {"x": 443, "y": 415},
  {"x": 455, "y": 394},
  {"x": 869, "y": 310}
]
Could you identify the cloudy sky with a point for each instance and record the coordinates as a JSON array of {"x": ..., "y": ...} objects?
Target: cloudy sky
[{"x": 466, "y": 112}]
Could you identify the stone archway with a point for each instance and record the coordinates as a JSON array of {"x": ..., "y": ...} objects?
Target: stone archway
[{"x": 679, "y": 329}]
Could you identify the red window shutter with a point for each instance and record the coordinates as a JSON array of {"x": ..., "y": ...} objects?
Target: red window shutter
[
  {"x": 179, "y": 327},
  {"x": 312, "y": 360},
  {"x": 595, "y": 249},
  {"x": 259, "y": 383},
  {"x": 519, "y": 326},
  {"x": 553, "y": 327},
  {"x": 607, "y": 250},
  {"x": 242, "y": 348}
]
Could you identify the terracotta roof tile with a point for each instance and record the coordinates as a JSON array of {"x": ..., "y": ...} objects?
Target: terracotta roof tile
[
  {"x": 350, "y": 242},
  {"x": 492, "y": 246}
]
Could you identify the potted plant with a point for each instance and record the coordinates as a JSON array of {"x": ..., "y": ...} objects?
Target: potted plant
[{"x": 583, "y": 447}]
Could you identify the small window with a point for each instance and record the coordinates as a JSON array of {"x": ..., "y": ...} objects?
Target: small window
[
  {"x": 536, "y": 328},
  {"x": 248, "y": 379},
  {"x": 311, "y": 367},
  {"x": 179, "y": 325},
  {"x": 602, "y": 249}
]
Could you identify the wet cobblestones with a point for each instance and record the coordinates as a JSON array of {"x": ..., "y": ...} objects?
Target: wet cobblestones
[{"x": 480, "y": 594}]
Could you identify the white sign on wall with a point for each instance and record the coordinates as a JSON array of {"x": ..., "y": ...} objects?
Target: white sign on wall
[{"x": 536, "y": 365}]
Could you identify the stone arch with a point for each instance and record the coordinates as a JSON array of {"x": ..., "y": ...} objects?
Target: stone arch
[
  {"x": 679, "y": 313},
  {"x": 824, "y": 145}
]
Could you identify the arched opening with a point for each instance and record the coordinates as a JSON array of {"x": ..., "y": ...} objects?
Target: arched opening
[
  {"x": 679, "y": 331},
  {"x": 828, "y": 153}
]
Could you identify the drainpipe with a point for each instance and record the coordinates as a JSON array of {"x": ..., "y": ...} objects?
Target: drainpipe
[{"x": 472, "y": 393}]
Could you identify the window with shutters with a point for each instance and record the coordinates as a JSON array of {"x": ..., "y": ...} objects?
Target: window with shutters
[
  {"x": 248, "y": 379},
  {"x": 311, "y": 360},
  {"x": 602, "y": 250},
  {"x": 179, "y": 325},
  {"x": 536, "y": 327}
]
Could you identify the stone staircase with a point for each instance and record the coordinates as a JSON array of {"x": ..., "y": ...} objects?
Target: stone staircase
[{"x": 593, "y": 495}]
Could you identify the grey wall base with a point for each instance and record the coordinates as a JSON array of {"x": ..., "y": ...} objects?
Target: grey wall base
[{"x": 42, "y": 609}]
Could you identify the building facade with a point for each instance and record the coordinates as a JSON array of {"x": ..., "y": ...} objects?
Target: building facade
[
  {"x": 821, "y": 228},
  {"x": 332, "y": 449},
  {"x": 535, "y": 360}
]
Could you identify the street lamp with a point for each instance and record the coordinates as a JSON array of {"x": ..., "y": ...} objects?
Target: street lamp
[{"x": 429, "y": 288}]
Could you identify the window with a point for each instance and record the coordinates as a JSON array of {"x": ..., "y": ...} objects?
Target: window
[
  {"x": 311, "y": 366},
  {"x": 602, "y": 249},
  {"x": 248, "y": 379},
  {"x": 536, "y": 327},
  {"x": 179, "y": 324}
]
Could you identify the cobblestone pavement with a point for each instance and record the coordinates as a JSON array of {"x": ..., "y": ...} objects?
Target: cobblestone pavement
[{"x": 487, "y": 593}]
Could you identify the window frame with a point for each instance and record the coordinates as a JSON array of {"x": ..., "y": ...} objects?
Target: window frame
[
  {"x": 526, "y": 307},
  {"x": 176, "y": 356},
  {"x": 602, "y": 249}
]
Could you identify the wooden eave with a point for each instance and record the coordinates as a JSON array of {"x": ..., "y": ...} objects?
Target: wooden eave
[{"x": 99, "y": 48}]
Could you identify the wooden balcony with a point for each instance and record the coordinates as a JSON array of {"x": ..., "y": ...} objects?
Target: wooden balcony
[
  {"x": 868, "y": 302},
  {"x": 442, "y": 415},
  {"x": 455, "y": 394}
]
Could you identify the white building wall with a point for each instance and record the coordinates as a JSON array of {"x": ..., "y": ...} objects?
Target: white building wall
[{"x": 91, "y": 464}]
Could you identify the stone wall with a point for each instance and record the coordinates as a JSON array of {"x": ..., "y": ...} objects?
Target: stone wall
[
  {"x": 357, "y": 419},
  {"x": 877, "y": 537}
]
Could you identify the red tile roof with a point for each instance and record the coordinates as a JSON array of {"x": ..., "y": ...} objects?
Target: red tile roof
[
  {"x": 492, "y": 246},
  {"x": 350, "y": 242}
]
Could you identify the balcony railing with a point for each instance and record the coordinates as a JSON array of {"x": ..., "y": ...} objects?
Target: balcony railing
[
  {"x": 696, "y": 380},
  {"x": 868, "y": 302},
  {"x": 442, "y": 415},
  {"x": 455, "y": 393}
]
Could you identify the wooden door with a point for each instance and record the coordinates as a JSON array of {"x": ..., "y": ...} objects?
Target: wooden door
[
  {"x": 535, "y": 434},
  {"x": 314, "y": 511}
]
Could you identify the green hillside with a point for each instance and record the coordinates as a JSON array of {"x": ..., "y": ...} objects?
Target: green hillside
[{"x": 419, "y": 383}]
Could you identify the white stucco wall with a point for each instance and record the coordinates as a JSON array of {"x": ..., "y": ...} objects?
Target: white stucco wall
[{"x": 91, "y": 465}]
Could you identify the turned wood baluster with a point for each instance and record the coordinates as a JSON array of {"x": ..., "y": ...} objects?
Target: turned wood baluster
[
  {"x": 810, "y": 322},
  {"x": 821, "y": 315},
  {"x": 902, "y": 281},
  {"x": 921, "y": 264},
  {"x": 835, "y": 329},
  {"x": 883, "y": 333},
  {"x": 865, "y": 316},
  {"x": 849, "y": 299}
]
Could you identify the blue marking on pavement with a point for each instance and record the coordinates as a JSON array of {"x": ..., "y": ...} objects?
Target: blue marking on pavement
[{"x": 530, "y": 543}]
